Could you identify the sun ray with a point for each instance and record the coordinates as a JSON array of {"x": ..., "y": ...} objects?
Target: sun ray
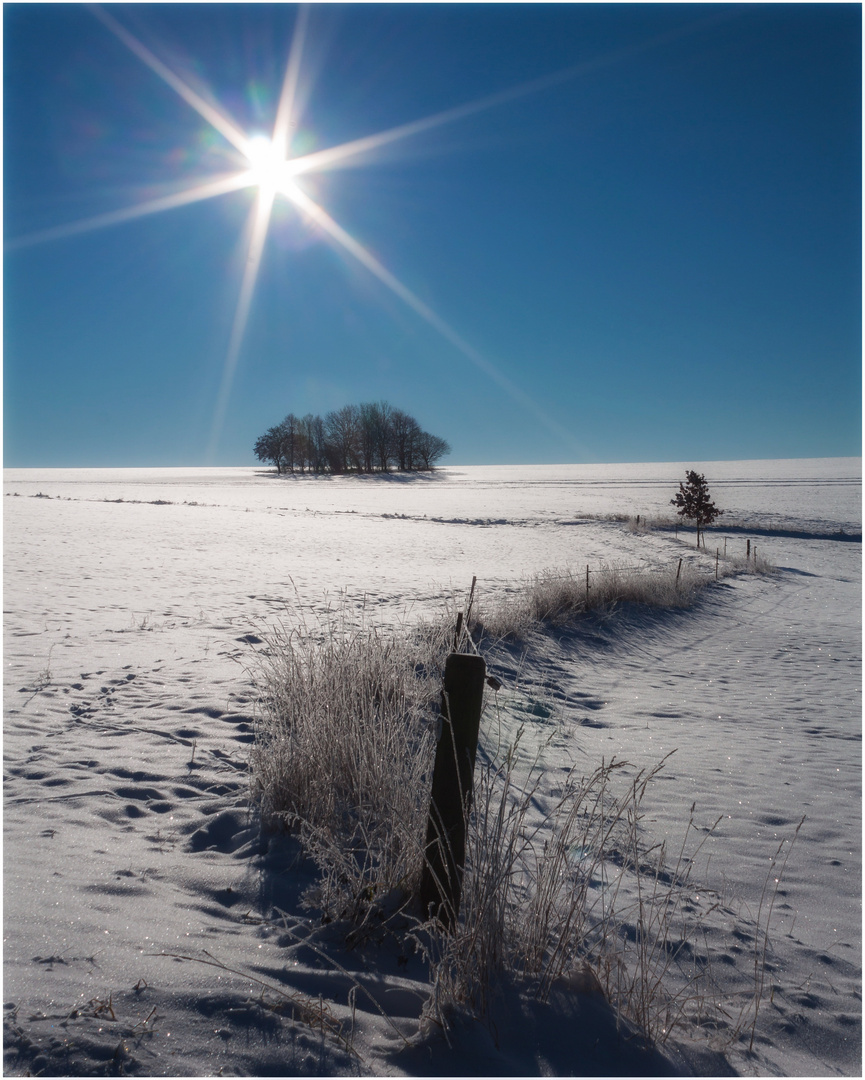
[
  {"x": 261, "y": 220},
  {"x": 340, "y": 156},
  {"x": 220, "y": 186},
  {"x": 367, "y": 259},
  {"x": 285, "y": 110},
  {"x": 211, "y": 114},
  {"x": 270, "y": 175},
  {"x": 266, "y": 163}
]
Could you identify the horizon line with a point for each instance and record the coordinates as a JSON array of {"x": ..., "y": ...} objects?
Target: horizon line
[{"x": 462, "y": 465}]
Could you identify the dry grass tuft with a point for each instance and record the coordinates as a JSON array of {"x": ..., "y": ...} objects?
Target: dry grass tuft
[
  {"x": 344, "y": 751},
  {"x": 741, "y": 564},
  {"x": 557, "y": 597}
]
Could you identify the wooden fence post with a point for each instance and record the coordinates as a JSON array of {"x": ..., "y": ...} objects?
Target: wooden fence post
[
  {"x": 587, "y": 584},
  {"x": 445, "y": 850},
  {"x": 678, "y": 573},
  {"x": 748, "y": 550}
]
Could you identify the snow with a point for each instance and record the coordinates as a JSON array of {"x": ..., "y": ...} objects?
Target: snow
[{"x": 135, "y": 601}]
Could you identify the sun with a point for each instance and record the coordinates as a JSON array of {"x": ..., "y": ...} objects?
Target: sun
[{"x": 268, "y": 167}]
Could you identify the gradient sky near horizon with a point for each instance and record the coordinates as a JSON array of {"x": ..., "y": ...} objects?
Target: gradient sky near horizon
[{"x": 640, "y": 240}]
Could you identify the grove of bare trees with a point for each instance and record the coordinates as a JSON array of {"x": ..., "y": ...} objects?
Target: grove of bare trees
[{"x": 371, "y": 437}]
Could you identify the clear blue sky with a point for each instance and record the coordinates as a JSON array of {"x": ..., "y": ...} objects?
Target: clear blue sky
[{"x": 650, "y": 250}]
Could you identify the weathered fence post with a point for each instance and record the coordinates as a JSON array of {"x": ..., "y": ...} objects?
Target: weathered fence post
[
  {"x": 587, "y": 584},
  {"x": 748, "y": 550},
  {"x": 678, "y": 573},
  {"x": 717, "y": 554},
  {"x": 445, "y": 850}
]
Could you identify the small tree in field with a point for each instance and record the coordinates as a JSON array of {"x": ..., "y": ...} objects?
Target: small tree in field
[{"x": 694, "y": 503}]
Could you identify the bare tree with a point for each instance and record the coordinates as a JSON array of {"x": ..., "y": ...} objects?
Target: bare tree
[
  {"x": 383, "y": 433},
  {"x": 268, "y": 447},
  {"x": 430, "y": 448},
  {"x": 342, "y": 429},
  {"x": 404, "y": 433},
  {"x": 318, "y": 445},
  {"x": 311, "y": 456},
  {"x": 290, "y": 442},
  {"x": 368, "y": 431}
]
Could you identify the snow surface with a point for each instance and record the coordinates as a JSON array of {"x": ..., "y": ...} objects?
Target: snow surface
[{"x": 135, "y": 601}]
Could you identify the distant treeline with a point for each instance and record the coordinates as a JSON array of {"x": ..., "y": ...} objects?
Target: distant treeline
[{"x": 372, "y": 437}]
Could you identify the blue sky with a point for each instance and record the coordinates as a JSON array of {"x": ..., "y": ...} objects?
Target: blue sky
[{"x": 641, "y": 241}]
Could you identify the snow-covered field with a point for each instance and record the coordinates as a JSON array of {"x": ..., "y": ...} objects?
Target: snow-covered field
[{"x": 135, "y": 601}]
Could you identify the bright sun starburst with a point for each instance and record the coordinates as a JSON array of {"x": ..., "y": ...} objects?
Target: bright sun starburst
[
  {"x": 268, "y": 165},
  {"x": 272, "y": 170}
]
